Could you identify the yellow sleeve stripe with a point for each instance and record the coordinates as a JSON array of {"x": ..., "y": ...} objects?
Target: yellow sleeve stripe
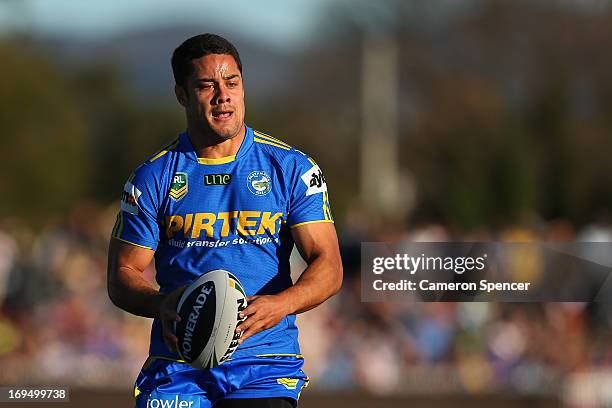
[
  {"x": 326, "y": 207},
  {"x": 131, "y": 243},
  {"x": 164, "y": 150},
  {"x": 310, "y": 222},
  {"x": 270, "y": 138},
  {"x": 271, "y": 144},
  {"x": 118, "y": 226},
  {"x": 312, "y": 161}
]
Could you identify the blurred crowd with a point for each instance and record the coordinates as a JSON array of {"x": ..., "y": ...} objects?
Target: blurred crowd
[
  {"x": 57, "y": 324},
  {"x": 541, "y": 349}
]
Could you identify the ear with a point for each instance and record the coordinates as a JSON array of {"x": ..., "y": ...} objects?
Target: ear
[{"x": 181, "y": 95}]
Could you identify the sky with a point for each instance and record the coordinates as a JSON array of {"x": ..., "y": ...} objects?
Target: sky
[
  {"x": 284, "y": 24},
  {"x": 281, "y": 23}
]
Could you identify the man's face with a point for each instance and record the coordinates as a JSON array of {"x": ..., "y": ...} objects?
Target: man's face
[{"x": 214, "y": 96}]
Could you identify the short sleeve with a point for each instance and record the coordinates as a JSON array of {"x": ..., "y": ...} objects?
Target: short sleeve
[
  {"x": 137, "y": 219},
  {"x": 309, "y": 199}
]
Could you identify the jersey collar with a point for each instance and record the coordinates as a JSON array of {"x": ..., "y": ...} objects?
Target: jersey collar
[{"x": 186, "y": 147}]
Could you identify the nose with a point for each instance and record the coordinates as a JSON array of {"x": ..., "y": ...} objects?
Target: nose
[{"x": 222, "y": 95}]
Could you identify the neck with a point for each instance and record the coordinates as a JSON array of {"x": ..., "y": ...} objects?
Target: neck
[{"x": 211, "y": 146}]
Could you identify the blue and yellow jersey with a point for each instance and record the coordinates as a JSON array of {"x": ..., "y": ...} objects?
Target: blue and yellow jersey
[{"x": 233, "y": 213}]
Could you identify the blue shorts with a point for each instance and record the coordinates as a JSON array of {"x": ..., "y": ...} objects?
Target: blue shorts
[{"x": 164, "y": 383}]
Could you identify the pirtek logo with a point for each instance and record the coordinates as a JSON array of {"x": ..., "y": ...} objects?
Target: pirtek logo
[
  {"x": 241, "y": 222},
  {"x": 217, "y": 179}
]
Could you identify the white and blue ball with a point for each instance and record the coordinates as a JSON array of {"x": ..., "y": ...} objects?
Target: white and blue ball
[{"x": 209, "y": 310}]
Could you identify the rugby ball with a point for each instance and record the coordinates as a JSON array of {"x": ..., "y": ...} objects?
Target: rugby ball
[{"x": 209, "y": 310}]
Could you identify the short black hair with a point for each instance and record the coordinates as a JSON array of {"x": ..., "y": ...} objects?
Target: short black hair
[{"x": 197, "y": 47}]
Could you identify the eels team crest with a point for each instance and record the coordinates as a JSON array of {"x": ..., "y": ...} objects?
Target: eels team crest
[
  {"x": 259, "y": 183},
  {"x": 178, "y": 188}
]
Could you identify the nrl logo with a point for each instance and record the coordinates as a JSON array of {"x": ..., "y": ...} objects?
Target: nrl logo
[{"x": 178, "y": 188}]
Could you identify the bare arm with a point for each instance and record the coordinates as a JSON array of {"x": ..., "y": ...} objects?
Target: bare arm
[
  {"x": 318, "y": 245},
  {"x": 130, "y": 291},
  {"x": 127, "y": 287}
]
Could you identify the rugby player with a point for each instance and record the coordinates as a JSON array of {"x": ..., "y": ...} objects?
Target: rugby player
[{"x": 223, "y": 196}]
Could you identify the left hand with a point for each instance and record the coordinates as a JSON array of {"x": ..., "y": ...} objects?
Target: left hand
[{"x": 262, "y": 312}]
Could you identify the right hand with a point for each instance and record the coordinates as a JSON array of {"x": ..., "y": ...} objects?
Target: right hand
[{"x": 167, "y": 315}]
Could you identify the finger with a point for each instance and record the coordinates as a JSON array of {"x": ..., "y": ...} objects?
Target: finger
[
  {"x": 169, "y": 317},
  {"x": 250, "y": 321},
  {"x": 252, "y": 298},
  {"x": 168, "y": 322},
  {"x": 169, "y": 329},
  {"x": 250, "y": 310},
  {"x": 171, "y": 342},
  {"x": 254, "y": 329},
  {"x": 176, "y": 295},
  {"x": 166, "y": 328},
  {"x": 243, "y": 326},
  {"x": 169, "y": 333},
  {"x": 171, "y": 339}
]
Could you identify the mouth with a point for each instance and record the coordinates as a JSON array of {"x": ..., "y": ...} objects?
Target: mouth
[{"x": 222, "y": 115}]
